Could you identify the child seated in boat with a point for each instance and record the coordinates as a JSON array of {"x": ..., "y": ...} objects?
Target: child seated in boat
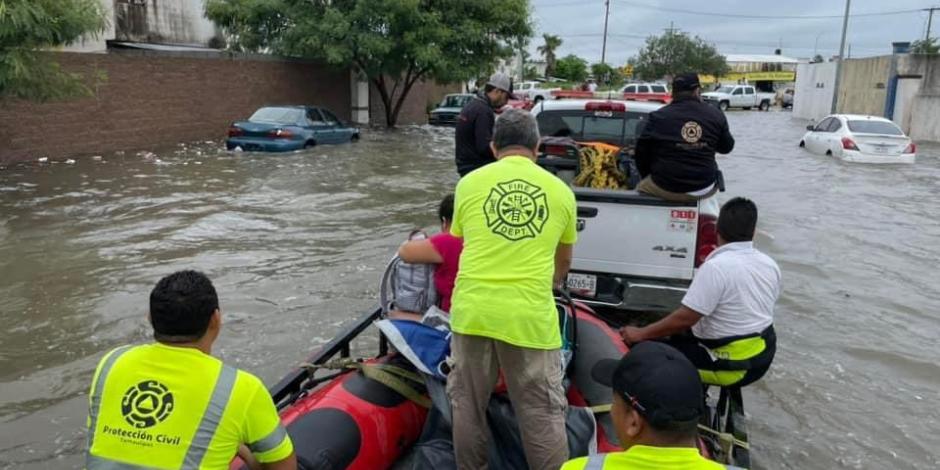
[{"x": 443, "y": 251}]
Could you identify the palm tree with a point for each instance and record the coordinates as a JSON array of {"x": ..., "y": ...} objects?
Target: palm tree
[{"x": 552, "y": 43}]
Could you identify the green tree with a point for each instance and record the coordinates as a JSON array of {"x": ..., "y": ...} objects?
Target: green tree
[
  {"x": 606, "y": 75},
  {"x": 552, "y": 43},
  {"x": 392, "y": 43},
  {"x": 676, "y": 52},
  {"x": 927, "y": 46},
  {"x": 530, "y": 73},
  {"x": 27, "y": 27},
  {"x": 572, "y": 68}
]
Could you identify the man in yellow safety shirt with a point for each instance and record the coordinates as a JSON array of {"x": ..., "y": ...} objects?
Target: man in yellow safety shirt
[
  {"x": 725, "y": 323},
  {"x": 518, "y": 224},
  {"x": 657, "y": 404},
  {"x": 171, "y": 405}
]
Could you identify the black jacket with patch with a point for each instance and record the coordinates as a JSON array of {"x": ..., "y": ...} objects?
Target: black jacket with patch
[
  {"x": 677, "y": 147},
  {"x": 473, "y": 135}
]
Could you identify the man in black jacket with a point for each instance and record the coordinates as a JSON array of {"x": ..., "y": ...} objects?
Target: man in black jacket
[
  {"x": 475, "y": 124},
  {"x": 676, "y": 152}
]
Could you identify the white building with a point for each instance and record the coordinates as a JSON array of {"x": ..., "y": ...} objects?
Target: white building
[{"x": 169, "y": 22}]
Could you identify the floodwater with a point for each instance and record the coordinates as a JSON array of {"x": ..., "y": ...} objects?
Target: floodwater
[{"x": 296, "y": 244}]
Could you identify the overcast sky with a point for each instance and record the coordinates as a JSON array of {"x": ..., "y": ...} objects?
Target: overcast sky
[{"x": 580, "y": 23}]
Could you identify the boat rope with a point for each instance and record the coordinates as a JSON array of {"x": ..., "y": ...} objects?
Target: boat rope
[
  {"x": 726, "y": 440},
  {"x": 599, "y": 167},
  {"x": 393, "y": 377}
]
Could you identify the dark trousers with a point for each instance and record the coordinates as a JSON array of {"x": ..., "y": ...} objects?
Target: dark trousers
[{"x": 696, "y": 352}]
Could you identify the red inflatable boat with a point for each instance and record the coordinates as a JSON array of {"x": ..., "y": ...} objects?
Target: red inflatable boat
[{"x": 349, "y": 419}]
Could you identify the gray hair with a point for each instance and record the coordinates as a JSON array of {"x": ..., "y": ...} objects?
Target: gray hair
[{"x": 516, "y": 128}]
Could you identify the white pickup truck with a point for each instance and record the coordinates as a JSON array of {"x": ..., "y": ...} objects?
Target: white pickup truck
[
  {"x": 634, "y": 252},
  {"x": 739, "y": 96},
  {"x": 534, "y": 91}
]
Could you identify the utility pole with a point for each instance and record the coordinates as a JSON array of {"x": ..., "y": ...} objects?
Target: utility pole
[
  {"x": 606, "y": 17},
  {"x": 930, "y": 20},
  {"x": 835, "y": 86}
]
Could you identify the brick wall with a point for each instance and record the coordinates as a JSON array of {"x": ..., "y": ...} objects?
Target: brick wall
[
  {"x": 415, "y": 108},
  {"x": 151, "y": 100}
]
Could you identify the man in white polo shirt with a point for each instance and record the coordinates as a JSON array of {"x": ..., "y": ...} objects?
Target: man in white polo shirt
[{"x": 729, "y": 306}]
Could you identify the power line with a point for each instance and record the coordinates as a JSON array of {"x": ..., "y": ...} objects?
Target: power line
[{"x": 738, "y": 15}]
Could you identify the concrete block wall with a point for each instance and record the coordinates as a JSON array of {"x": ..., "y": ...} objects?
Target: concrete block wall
[
  {"x": 152, "y": 100},
  {"x": 812, "y": 96},
  {"x": 864, "y": 86}
]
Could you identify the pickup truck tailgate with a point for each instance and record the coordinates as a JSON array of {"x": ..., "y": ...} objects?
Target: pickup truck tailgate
[{"x": 631, "y": 234}]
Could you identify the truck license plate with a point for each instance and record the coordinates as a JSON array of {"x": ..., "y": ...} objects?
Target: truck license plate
[{"x": 582, "y": 284}]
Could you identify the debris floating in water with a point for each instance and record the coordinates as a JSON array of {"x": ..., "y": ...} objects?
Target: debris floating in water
[
  {"x": 69, "y": 162},
  {"x": 97, "y": 158},
  {"x": 43, "y": 159}
]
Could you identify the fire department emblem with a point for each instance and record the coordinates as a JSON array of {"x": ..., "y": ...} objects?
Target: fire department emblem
[
  {"x": 691, "y": 132},
  {"x": 516, "y": 210},
  {"x": 146, "y": 404}
]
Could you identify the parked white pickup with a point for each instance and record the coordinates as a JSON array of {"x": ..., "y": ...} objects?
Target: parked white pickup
[{"x": 739, "y": 96}]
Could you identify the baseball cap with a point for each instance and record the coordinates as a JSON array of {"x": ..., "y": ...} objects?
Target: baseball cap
[
  {"x": 501, "y": 81},
  {"x": 657, "y": 380},
  {"x": 685, "y": 82}
]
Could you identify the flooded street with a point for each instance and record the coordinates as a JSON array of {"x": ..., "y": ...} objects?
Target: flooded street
[{"x": 296, "y": 244}]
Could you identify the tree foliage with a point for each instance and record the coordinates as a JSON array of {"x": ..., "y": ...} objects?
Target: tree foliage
[
  {"x": 551, "y": 44},
  {"x": 927, "y": 46},
  {"x": 571, "y": 68},
  {"x": 676, "y": 52},
  {"x": 393, "y": 43},
  {"x": 29, "y": 26},
  {"x": 606, "y": 74}
]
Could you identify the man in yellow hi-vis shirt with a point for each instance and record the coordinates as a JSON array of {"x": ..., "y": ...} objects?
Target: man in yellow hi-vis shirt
[
  {"x": 518, "y": 224},
  {"x": 171, "y": 405}
]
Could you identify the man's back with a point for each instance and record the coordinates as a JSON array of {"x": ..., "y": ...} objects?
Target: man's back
[
  {"x": 737, "y": 288},
  {"x": 473, "y": 134},
  {"x": 159, "y": 406},
  {"x": 678, "y": 145},
  {"x": 512, "y": 216}
]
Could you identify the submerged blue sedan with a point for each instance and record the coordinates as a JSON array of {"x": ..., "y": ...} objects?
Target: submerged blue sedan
[{"x": 286, "y": 128}]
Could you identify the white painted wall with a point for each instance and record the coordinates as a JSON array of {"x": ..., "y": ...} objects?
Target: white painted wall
[
  {"x": 359, "y": 91},
  {"x": 812, "y": 97}
]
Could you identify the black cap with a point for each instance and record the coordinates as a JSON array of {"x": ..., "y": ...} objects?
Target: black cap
[
  {"x": 657, "y": 380},
  {"x": 685, "y": 82}
]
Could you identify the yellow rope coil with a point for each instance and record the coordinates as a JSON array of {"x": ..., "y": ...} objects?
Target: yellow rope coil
[{"x": 599, "y": 169}]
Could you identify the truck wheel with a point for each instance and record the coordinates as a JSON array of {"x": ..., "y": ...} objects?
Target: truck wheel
[
  {"x": 723, "y": 106},
  {"x": 537, "y": 99},
  {"x": 764, "y": 105},
  {"x": 746, "y": 108}
]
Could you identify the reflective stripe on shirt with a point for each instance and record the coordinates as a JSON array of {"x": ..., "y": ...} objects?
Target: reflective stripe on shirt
[
  {"x": 270, "y": 441},
  {"x": 95, "y": 400},
  {"x": 595, "y": 462},
  {"x": 212, "y": 417}
]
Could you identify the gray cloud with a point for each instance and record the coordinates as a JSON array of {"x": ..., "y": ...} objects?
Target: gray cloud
[{"x": 581, "y": 23}]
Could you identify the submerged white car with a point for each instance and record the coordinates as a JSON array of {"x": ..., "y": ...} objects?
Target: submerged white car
[{"x": 863, "y": 139}]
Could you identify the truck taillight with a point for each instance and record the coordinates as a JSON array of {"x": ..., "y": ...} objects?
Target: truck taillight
[
  {"x": 707, "y": 237},
  {"x": 911, "y": 148},
  {"x": 281, "y": 134},
  {"x": 235, "y": 131},
  {"x": 848, "y": 144},
  {"x": 605, "y": 106}
]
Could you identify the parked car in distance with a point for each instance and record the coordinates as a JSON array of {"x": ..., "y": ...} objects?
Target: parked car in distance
[
  {"x": 862, "y": 139},
  {"x": 738, "y": 96},
  {"x": 445, "y": 114},
  {"x": 534, "y": 91},
  {"x": 655, "y": 92},
  {"x": 287, "y": 128}
]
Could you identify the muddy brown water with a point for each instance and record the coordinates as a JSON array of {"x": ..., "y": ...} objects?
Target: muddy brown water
[{"x": 296, "y": 243}]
